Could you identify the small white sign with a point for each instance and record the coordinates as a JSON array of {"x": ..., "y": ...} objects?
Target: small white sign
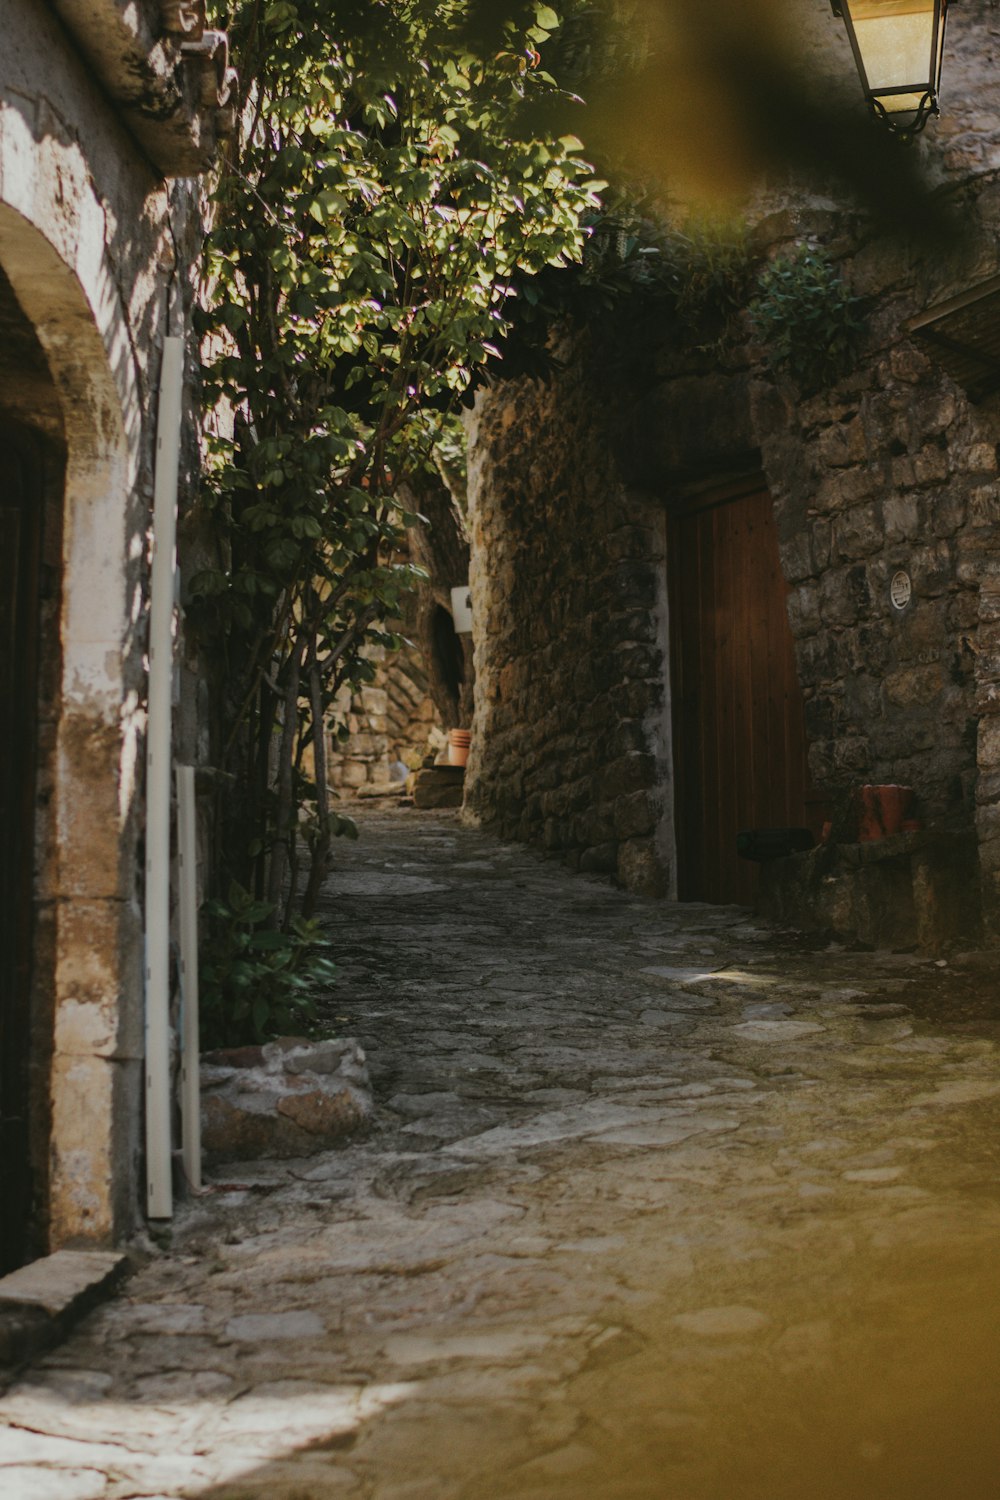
[
  {"x": 461, "y": 609},
  {"x": 900, "y": 590}
]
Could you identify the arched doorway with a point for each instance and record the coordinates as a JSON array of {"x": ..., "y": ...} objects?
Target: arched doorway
[
  {"x": 72, "y": 1032},
  {"x": 31, "y": 466}
]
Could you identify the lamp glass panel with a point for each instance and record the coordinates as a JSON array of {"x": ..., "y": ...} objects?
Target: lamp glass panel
[{"x": 895, "y": 39}]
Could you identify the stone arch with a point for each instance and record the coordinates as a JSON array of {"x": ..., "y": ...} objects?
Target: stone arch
[{"x": 53, "y": 253}]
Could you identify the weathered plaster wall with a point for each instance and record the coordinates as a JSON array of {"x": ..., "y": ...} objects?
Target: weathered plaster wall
[
  {"x": 568, "y": 750},
  {"x": 84, "y": 243}
]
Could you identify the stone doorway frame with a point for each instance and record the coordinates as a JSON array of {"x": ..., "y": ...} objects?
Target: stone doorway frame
[{"x": 52, "y": 250}]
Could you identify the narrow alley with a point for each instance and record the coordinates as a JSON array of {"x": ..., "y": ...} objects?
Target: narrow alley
[{"x": 657, "y": 1203}]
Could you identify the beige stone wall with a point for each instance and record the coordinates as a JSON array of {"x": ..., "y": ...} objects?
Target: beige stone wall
[
  {"x": 390, "y": 719},
  {"x": 84, "y": 243}
]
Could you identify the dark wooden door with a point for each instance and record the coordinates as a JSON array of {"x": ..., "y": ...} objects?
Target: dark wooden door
[
  {"x": 20, "y": 535},
  {"x": 739, "y": 732}
]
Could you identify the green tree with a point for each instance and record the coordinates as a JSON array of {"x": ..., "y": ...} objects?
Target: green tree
[{"x": 388, "y": 186}]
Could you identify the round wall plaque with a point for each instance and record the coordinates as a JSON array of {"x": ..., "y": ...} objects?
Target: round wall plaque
[{"x": 900, "y": 590}]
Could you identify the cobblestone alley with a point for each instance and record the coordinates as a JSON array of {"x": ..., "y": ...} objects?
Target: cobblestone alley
[{"x": 657, "y": 1204}]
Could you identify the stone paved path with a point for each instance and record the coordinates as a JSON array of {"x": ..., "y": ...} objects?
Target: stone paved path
[{"x": 658, "y": 1205}]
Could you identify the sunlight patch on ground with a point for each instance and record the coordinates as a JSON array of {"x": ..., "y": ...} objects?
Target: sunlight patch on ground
[{"x": 199, "y": 1443}]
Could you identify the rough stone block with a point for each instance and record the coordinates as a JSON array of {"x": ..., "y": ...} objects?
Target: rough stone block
[
  {"x": 630, "y": 773},
  {"x": 92, "y": 860},
  {"x": 931, "y": 567},
  {"x": 97, "y": 942},
  {"x": 964, "y": 610},
  {"x": 628, "y": 735},
  {"x": 437, "y": 786},
  {"x": 988, "y": 830},
  {"x": 85, "y": 1131},
  {"x": 987, "y": 786},
  {"x": 844, "y": 595},
  {"x": 843, "y": 444},
  {"x": 858, "y": 533},
  {"x": 984, "y": 506},
  {"x": 842, "y": 490},
  {"x": 640, "y": 868},
  {"x": 937, "y": 413},
  {"x": 987, "y": 700},
  {"x": 823, "y": 661},
  {"x": 930, "y": 466},
  {"x": 909, "y": 364},
  {"x": 290, "y": 1097},
  {"x": 901, "y": 517},
  {"x": 821, "y": 542},
  {"x": 947, "y": 511},
  {"x": 796, "y": 557},
  {"x": 601, "y": 859},
  {"x": 374, "y": 699},
  {"x": 981, "y": 458},
  {"x": 593, "y": 826},
  {"x": 974, "y": 569},
  {"x": 804, "y": 610},
  {"x": 639, "y": 661},
  {"x": 904, "y": 474},
  {"x": 850, "y": 757},
  {"x": 915, "y": 687},
  {"x": 988, "y": 744},
  {"x": 921, "y": 633},
  {"x": 636, "y": 816},
  {"x": 629, "y": 700},
  {"x": 354, "y": 773}
]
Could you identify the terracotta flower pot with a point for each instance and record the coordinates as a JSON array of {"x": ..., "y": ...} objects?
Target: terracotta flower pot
[
  {"x": 882, "y": 811},
  {"x": 459, "y": 741}
]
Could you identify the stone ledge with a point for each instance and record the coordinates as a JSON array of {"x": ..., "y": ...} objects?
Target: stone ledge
[
  {"x": 907, "y": 890},
  {"x": 901, "y": 845},
  {"x": 437, "y": 786},
  {"x": 41, "y": 1302}
]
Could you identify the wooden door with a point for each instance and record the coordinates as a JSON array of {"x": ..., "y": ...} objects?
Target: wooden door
[
  {"x": 739, "y": 731},
  {"x": 20, "y": 535}
]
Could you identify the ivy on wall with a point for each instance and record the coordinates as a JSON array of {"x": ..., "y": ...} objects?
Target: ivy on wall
[{"x": 807, "y": 319}]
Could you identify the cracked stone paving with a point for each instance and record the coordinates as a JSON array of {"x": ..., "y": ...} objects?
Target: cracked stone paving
[{"x": 657, "y": 1203}]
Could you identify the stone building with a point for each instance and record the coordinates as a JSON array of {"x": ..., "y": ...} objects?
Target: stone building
[
  {"x": 103, "y": 107},
  {"x": 683, "y": 569},
  {"x": 390, "y": 720},
  {"x": 424, "y": 688}
]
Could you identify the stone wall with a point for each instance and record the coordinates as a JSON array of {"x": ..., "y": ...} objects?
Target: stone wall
[
  {"x": 391, "y": 719},
  {"x": 570, "y": 749},
  {"x": 425, "y": 687},
  {"x": 892, "y": 468},
  {"x": 88, "y": 251}
]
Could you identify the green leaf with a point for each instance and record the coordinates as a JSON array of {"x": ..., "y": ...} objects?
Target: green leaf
[{"x": 268, "y": 941}]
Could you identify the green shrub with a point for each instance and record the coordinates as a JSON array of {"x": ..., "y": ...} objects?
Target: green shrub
[
  {"x": 706, "y": 268},
  {"x": 807, "y": 319},
  {"x": 257, "y": 981}
]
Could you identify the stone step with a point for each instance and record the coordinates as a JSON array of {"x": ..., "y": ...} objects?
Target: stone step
[{"x": 41, "y": 1302}]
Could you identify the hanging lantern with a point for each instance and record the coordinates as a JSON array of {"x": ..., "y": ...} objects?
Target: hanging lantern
[{"x": 897, "y": 45}]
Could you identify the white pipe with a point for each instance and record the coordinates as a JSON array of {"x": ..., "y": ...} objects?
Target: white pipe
[
  {"x": 187, "y": 866},
  {"x": 159, "y": 1187}
]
